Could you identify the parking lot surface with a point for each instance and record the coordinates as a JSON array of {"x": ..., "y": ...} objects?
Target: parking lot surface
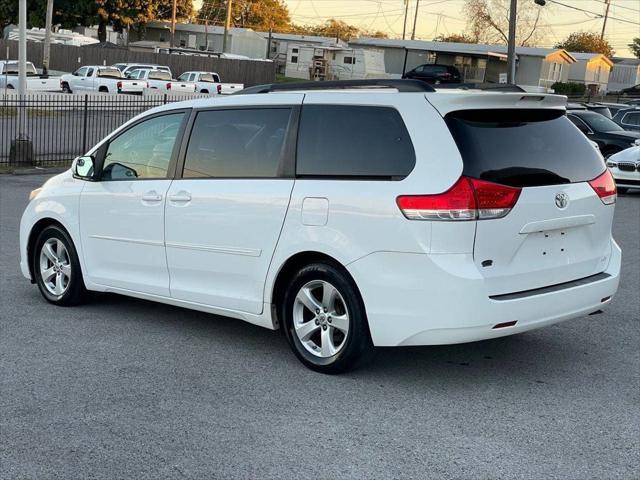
[{"x": 124, "y": 388}]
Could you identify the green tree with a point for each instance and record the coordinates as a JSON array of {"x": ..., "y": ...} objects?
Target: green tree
[
  {"x": 586, "y": 42},
  {"x": 8, "y": 13},
  {"x": 634, "y": 46},
  {"x": 255, "y": 14},
  {"x": 456, "y": 38}
]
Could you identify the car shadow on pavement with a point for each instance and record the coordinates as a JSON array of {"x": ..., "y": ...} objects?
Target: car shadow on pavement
[{"x": 537, "y": 357}]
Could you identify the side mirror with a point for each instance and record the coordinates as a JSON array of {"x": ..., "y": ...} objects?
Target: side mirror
[
  {"x": 75, "y": 74},
  {"x": 84, "y": 167}
]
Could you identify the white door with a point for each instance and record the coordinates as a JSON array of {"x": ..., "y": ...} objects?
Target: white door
[
  {"x": 122, "y": 216},
  {"x": 224, "y": 217},
  {"x": 78, "y": 81}
]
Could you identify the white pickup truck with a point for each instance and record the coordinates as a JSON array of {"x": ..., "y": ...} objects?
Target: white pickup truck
[
  {"x": 161, "y": 80},
  {"x": 35, "y": 82},
  {"x": 98, "y": 78},
  {"x": 209, "y": 82}
]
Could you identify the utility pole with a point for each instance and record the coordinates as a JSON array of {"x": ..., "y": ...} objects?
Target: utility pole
[
  {"x": 206, "y": 34},
  {"x": 511, "y": 47},
  {"x": 406, "y": 14},
  {"x": 227, "y": 26},
  {"x": 415, "y": 21},
  {"x": 606, "y": 14},
  {"x": 47, "y": 38},
  {"x": 173, "y": 23},
  {"x": 22, "y": 51},
  {"x": 269, "y": 42},
  {"x": 21, "y": 147}
]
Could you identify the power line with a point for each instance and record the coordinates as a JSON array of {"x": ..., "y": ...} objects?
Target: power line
[{"x": 599, "y": 15}]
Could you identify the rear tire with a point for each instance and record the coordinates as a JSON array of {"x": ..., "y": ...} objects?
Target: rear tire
[
  {"x": 65, "y": 88},
  {"x": 57, "y": 269},
  {"x": 610, "y": 151},
  {"x": 324, "y": 319}
]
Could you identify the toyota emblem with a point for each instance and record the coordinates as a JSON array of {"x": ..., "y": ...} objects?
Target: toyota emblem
[{"x": 562, "y": 200}]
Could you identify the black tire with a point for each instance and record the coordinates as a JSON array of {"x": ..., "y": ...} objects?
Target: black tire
[
  {"x": 356, "y": 345},
  {"x": 65, "y": 88},
  {"x": 204, "y": 91},
  {"x": 10, "y": 87},
  {"x": 74, "y": 291}
]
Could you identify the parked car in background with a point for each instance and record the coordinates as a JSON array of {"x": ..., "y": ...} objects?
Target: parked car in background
[
  {"x": 610, "y": 137},
  {"x": 98, "y": 78},
  {"x": 628, "y": 118},
  {"x": 613, "y": 107},
  {"x": 625, "y": 167},
  {"x": 631, "y": 91},
  {"x": 347, "y": 218},
  {"x": 128, "y": 67},
  {"x": 209, "y": 82},
  {"x": 35, "y": 82},
  {"x": 435, "y": 74},
  {"x": 161, "y": 80}
]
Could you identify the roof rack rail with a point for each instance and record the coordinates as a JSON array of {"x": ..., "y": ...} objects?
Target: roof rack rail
[
  {"x": 499, "y": 87},
  {"x": 398, "y": 84}
]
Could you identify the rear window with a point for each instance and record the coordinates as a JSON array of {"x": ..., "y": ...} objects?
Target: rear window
[
  {"x": 109, "y": 72},
  {"x": 159, "y": 75},
  {"x": 523, "y": 148},
  {"x": 353, "y": 141}
]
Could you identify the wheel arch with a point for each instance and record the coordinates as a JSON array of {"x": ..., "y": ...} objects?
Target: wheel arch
[
  {"x": 35, "y": 231},
  {"x": 294, "y": 263}
]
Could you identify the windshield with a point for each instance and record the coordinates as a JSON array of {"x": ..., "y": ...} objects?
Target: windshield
[
  {"x": 109, "y": 72},
  {"x": 599, "y": 123}
]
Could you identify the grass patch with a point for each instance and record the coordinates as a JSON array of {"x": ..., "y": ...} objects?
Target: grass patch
[{"x": 282, "y": 79}]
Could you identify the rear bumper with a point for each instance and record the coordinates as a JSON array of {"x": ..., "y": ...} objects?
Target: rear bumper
[{"x": 420, "y": 299}]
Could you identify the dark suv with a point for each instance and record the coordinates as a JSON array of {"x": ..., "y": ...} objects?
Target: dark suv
[
  {"x": 434, "y": 74},
  {"x": 609, "y": 136}
]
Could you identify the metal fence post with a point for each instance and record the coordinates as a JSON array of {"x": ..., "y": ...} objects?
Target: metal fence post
[
  {"x": 84, "y": 130},
  {"x": 165, "y": 99}
]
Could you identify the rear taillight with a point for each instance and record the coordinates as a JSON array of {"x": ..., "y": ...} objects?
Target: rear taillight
[
  {"x": 119, "y": 84},
  {"x": 219, "y": 88},
  {"x": 605, "y": 187},
  {"x": 169, "y": 86},
  {"x": 468, "y": 199}
]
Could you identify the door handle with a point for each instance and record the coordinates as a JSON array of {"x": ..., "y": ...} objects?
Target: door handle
[
  {"x": 180, "y": 197},
  {"x": 152, "y": 196}
]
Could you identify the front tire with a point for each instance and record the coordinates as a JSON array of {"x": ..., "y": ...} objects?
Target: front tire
[
  {"x": 66, "y": 88},
  {"x": 324, "y": 319},
  {"x": 57, "y": 269}
]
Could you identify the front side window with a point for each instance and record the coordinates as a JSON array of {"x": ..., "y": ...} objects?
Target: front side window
[
  {"x": 353, "y": 141},
  {"x": 240, "y": 143},
  {"x": 81, "y": 72},
  {"x": 144, "y": 150}
]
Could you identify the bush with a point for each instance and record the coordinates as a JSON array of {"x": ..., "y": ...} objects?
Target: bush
[{"x": 575, "y": 89}]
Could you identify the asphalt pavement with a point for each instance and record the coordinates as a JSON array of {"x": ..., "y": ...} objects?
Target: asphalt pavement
[{"x": 124, "y": 388}]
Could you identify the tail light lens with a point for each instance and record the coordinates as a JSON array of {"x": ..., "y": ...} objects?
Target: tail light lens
[
  {"x": 468, "y": 199},
  {"x": 119, "y": 84},
  {"x": 169, "y": 86},
  {"x": 605, "y": 187},
  {"x": 219, "y": 88}
]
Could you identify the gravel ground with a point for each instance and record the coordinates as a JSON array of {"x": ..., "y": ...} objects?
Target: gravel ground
[{"x": 123, "y": 388}]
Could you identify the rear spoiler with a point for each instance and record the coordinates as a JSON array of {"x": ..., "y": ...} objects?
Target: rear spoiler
[
  {"x": 446, "y": 101},
  {"x": 502, "y": 87}
]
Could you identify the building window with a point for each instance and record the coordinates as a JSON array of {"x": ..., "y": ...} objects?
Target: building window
[
  {"x": 350, "y": 60},
  {"x": 294, "y": 50},
  {"x": 183, "y": 43},
  {"x": 294, "y": 59}
]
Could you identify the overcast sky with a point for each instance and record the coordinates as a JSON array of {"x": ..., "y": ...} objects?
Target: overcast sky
[{"x": 445, "y": 16}]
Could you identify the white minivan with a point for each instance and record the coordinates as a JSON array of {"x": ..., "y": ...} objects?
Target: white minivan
[{"x": 346, "y": 214}]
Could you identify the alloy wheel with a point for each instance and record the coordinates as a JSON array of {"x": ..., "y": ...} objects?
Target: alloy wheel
[
  {"x": 321, "y": 318},
  {"x": 55, "y": 266}
]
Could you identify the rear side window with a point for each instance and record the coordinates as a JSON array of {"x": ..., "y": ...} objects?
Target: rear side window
[
  {"x": 523, "y": 148},
  {"x": 353, "y": 141},
  {"x": 240, "y": 143}
]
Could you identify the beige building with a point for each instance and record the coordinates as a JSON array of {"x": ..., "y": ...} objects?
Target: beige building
[{"x": 593, "y": 70}]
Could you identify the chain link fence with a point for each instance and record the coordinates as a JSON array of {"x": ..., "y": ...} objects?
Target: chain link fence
[{"x": 46, "y": 130}]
